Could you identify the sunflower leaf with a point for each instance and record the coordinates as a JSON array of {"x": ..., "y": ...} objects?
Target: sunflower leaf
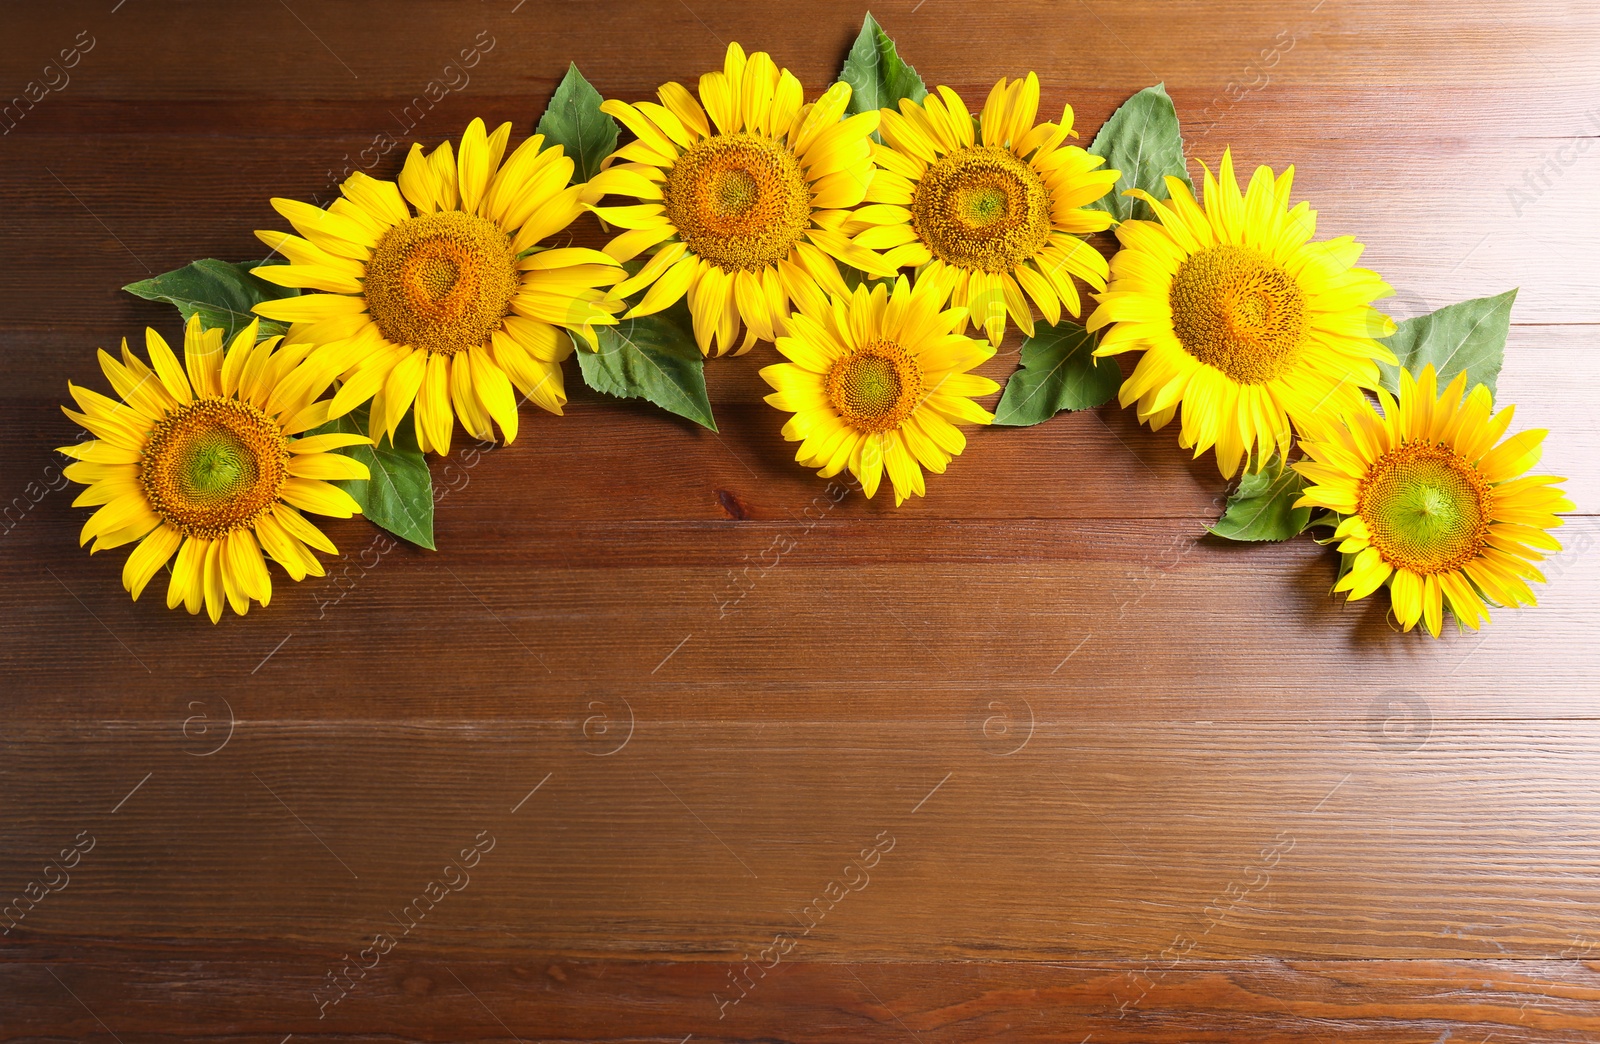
[
  {"x": 1142, "y": 140},
  {"x": 219, "y": 292},
  {"x": 877, "y": 75},
  {"x": 1468, "y": 335},
  {"x": 1058, "y": 372},
  {"x": 574, "y": 121},
  {"x": 399, "y": 495},
  {"x": 649, "y": 358},
  {"x": 1262, "y": 508}
]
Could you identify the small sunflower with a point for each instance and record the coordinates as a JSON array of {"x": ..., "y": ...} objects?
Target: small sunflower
[
  {"x": 744, "y": 211},
  {"x": 449, "y": 307},
  {"x": 993, "y": 217},
  {"x": 200, "y": 460},
  {"x": 1242, "y": 319},
  {"x": 877, "y": 381},
  {"x": 1434, "y": 503}
]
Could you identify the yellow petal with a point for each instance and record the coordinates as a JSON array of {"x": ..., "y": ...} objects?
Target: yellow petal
[
  {"x": 320, "y": 497},
  {"x": 166, "y": 367},
  {"x": 151, "y": 554},
  {"x": 473, "y": 166}
]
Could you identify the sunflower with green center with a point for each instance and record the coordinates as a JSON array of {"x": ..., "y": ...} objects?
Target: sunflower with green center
[
  {"x": 1434, "y": 503},
  {"x": 449, "y": 307},
  {"x": 201, "y": 461},
  {"x": 992, "y": 216},
  {"x": 877, "y": 381},
  {"x": 1243, "y": 321},
  {"x": 743, "y": 197}
]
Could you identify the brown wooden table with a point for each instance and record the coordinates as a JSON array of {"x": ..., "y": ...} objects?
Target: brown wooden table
[{"x": 1114, "y": 781}]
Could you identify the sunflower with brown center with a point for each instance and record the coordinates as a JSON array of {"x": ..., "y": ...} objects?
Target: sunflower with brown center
[
  {"x": 1434, "y": 503},
  {"x": 202, "y": 461},
  {"x": 450, "y": 307},
  {"x": 993, "y": 216},
  {"x": 1244, "y": 322},
  {"x": 877, "y": 382},
  {"x": 743, "y": 197}
]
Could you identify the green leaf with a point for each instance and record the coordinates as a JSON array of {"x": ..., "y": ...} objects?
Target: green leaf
[
  {"x": 399, "y": 495},
  {"x": 574, "y": 121},
  {"x": 1142, "y": 140},
  {"x": 219, "y": 292},
  {"x": 1469, "y": 335},
  {"x": 1058, "y": 372},
  {"x": 649, "y": 358},
  {"x": 877, "y": 76},
  {"x": 1262, "y": 508}
]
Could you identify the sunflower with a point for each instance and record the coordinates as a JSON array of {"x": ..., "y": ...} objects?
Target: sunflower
[
  {"x": 1434, "y": 503},
  {"x": 989, "y": 220},
  {"x": 877, "y": 382},
  {"x": 449, "y": 307},
  {"x": 743, "y": 210},
  {"x": 1242, "y": 319},
  {"x": 200, "y": 460}
]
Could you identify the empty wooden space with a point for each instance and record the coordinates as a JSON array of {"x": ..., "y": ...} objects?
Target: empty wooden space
[{"x": 1032, "y": 759}]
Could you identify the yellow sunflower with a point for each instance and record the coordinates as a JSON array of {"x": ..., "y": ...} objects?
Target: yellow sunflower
[
  {"x": 449, "y": 307},
  {"x": 1435, "y": 504},
  {"x": 877, "y": 381},
  {"x": 1244, "y": 321},
  {"x": 994, "y": 221},
  {"x": 744, "y": 210},
  {"x": 200, "y": 460}
]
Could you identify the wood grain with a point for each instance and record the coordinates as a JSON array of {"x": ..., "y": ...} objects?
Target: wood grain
[{"x": 1126, "y": 783}]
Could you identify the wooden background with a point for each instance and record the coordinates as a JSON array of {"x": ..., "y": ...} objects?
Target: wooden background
[{"x": 1141, "y": 786}]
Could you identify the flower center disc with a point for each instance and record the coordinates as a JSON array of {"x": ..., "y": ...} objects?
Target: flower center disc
[
  {"x": 1427, "y": 509},
  {"x": 982, "y": 207},
  {"x": 739, "y": 201},
  {"x": 442, "y": 281},
  {"x": 212, "y": 466},
  {"x": 1235, "y": 309},
  {"x": 877, "y": 387}
]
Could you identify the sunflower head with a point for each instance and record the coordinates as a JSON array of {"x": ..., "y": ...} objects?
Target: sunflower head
[
  {"x": 437, "y": 294},
  {"x": 994, "y": 213},
  {"x": 1245, "y": 324},
  {"x": 877, "y": 381},
  {"x": 1433, "y": 501},
  {"x": 206, "y": 460},
  {"x": 740, "y": 198}
]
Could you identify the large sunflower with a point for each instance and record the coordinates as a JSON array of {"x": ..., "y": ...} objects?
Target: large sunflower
[
  {"x": 1241, "y": 318},
  {"x": 449, "y": 307},
  {"x": 744, "y": 210},
  {"x": 200, "y": 460},
  {"x": 1435, "y": 504},
  {"x": 877, "y": 382},
  {"x": 993, "y": 217}
]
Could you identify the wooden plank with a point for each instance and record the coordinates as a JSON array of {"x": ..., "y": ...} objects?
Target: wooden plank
[
  {"x": 1161, "y": 624},
  {"x": 470, "y": 998},
  {"x": 1413, "y": 838}
]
